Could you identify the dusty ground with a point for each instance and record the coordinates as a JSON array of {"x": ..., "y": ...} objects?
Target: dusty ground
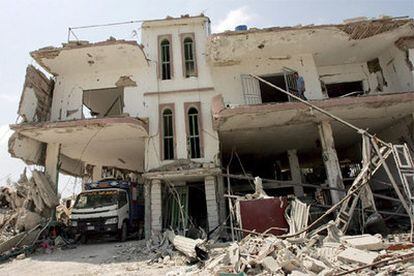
[{"x": 98, "y": 258}]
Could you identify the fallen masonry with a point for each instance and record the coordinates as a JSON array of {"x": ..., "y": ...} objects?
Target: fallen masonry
[
  {"x": 258, "y": 254},
  {"x": 26, "y": 209}
]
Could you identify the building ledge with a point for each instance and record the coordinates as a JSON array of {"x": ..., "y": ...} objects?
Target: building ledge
[
  {"x": 221, "y": 113},
  {"x": 184, "y": 175},
  {"x": 142, "y": 122}
]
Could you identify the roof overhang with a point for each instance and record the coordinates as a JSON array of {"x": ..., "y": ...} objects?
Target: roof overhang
[
  {"x": 117, "y": 142},
  {"x": 274, "y": 128},
  {"x": 329, "y": 44},
  {"x": 82, "y": 56}
]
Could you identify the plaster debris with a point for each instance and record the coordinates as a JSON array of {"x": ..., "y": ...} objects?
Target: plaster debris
[
  {"x": 24, "y": 206},
  {"x": 353, "y": 255},
  {"x": 368, "y": 242}
]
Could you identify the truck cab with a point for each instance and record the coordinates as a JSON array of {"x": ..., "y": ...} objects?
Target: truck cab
[{"x": 107, "y": 207}]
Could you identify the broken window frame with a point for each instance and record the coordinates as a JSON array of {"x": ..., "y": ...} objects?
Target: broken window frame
[
  {"x": 188, "y": 53},
  {"x": 167, "y": 153},
  {"x": 194, "y": 130},
  {"x": 165, "y": 59}
]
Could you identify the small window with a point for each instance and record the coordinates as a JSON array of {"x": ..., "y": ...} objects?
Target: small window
[
  {"x": 165, "y": 62},
  {"x": 189, "y": 57},
  {"x": 193, "y": 133},
  {"x": 122, "y": 200},
  {"x": 168, "y": 134}
]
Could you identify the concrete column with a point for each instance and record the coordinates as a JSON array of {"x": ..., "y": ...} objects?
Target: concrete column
[
  {"x": 156, "y": 204},
  {"x": 330, "y": 159},
  {"x": 97, "y": 173},
  {"x": 212, "y": 212},
  {"x": 147, "y": 218},
  {"x": 295, "y": 172},
  {"x": 51, "y": 162},
  {"x": 220, "y": 199}
]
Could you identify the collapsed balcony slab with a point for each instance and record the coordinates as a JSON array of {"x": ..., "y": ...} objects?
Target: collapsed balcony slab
[{"x": 117, "y": 142}]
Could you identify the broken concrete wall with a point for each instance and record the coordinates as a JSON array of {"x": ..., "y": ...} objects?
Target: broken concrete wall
[
  {"x": 228, "y": 82},
  {"x": 36, "y": 97},
  {"x": 71, "y": 166},
  {"x": 397, "y": 72},
  {"x": 27, "y": 149},
  {"x": 68, "y": 95},
  {"x": 346, "y": 73}
]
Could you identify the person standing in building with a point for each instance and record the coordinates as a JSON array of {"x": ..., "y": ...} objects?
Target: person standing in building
[{"x": 300, "y": 86}]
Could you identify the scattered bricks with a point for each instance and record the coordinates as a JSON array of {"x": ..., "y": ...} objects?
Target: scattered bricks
[
  {"x": 364, "y": 242},
  {"x": 352, "y": 255}
]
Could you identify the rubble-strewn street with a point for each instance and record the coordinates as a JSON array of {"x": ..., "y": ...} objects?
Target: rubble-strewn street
[
  {"x": 254, "y": 255},
  {"x": 185, "y": 150},
  {"x": 129, "y": 258}
]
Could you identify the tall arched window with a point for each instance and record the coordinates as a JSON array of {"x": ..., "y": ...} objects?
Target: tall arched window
[
  {"x": 193, "y": 133},
  {"x": 189, "y": 57},
  {"x": 165, "y": 62},
  {"x": 168, "y": 134}
]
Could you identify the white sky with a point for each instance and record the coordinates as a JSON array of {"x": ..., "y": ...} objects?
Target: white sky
[{"x": 26, "y": 25}]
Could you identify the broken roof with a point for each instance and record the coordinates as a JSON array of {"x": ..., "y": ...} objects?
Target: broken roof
[
  {"x": 55, "y": 59},
  {"x": 354, "y": 42},
  {"x": 356, "y": 29}
]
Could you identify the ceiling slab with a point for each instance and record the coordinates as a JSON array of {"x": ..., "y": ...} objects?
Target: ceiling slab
[{"x": 117, "y": 142}]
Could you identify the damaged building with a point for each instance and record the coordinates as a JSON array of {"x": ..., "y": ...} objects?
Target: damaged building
[{"x": 191, "y": 117}]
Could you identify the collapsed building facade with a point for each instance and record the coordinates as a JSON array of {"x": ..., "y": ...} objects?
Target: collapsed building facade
[{"x": 175, "y": 111}]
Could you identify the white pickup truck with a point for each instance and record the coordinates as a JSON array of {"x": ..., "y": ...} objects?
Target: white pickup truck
[{"x": 107, "y": 207}]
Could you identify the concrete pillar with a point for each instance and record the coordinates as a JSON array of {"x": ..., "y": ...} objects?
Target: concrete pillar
[
  {"x": 51, "y": 162},
  {"x": 212, "y": 212},
  {"x": 221, "y": 203},
  {"x": 147, "y": 218},
  {"x": 330, "y": 159},
  {"x": 97, "y": 173},
  {"x": 295, "y": 172},
  {"x": 156, "y": 204}
]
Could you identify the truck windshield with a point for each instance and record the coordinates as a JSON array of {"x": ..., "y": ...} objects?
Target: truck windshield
[{"x": 96, "y": 199}]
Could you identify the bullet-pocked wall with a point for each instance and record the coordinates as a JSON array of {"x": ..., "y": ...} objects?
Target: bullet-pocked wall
[{"x": 227, "y": 77}]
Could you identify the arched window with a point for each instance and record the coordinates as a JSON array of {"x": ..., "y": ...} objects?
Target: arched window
[
  {"x": 189, "y": 57},
  {"x": 165, "y": 62},
  {"x": 193, "y": 133},
  {"x": 168, "y": 134}
]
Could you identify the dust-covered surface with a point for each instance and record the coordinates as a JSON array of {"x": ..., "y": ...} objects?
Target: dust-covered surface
[{"x": 98, "y": 258}]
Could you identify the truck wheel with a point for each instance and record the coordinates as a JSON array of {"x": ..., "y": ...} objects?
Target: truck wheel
[{"x": 123, "y": 234}]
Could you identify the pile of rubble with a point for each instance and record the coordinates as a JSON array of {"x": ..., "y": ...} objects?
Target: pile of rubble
[
  {"x": 25, "y": 207},
  {"x": 333, "y": 254}
]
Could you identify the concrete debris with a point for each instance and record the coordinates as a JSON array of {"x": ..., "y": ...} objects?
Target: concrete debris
[
  {"x": 367, "y": 242},
  {"x": 353, "y": 255},
  {"x": 24, "y": 206},
  {"x": 185, "y": 245},
  {"x": 257, "y": 254}
]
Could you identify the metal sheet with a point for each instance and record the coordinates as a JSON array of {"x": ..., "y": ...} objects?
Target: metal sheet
[{"x": 262, "y": 214}]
